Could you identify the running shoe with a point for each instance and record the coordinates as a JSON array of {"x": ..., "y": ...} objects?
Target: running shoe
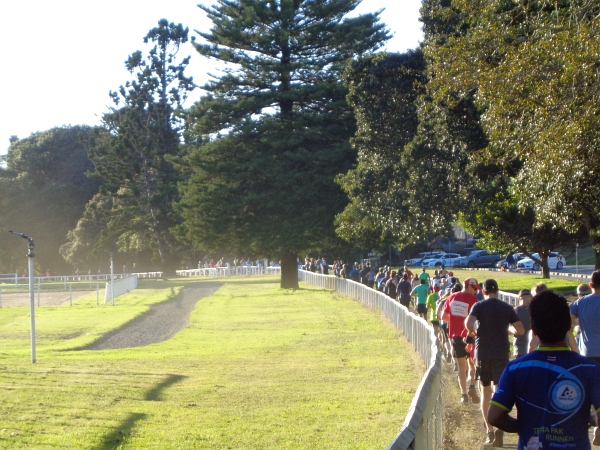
[
  {"x": 473, "y": 394},
  {"x": 464, "y": 399},
  {"x": 498, "y": 438}
]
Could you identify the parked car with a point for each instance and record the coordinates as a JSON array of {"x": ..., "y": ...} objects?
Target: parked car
[
  {"x": 518, "y": 257},
  {"x": 478, "y": 258},
  {"x": 555, "y": 261},
  {"x": 418, "y": 261},
  {"x": 447, "y": 260}
]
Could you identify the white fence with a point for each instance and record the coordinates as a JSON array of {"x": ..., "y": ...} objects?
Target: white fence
[
  {"x": 120, "y": 287},
  {"x": 239, "y": 271},
  {"x": 423, "y": 427},
  {"x": 24, "y": 281}
]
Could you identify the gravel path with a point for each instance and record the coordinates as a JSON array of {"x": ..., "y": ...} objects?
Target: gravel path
[{"x": 162, "y": 322}]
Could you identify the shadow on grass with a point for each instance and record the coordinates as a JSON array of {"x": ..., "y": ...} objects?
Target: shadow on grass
[
  {"x": 155, "y": 393},
  {"x": 115, "y": 438},
  {"x": 119, "y": 435}
]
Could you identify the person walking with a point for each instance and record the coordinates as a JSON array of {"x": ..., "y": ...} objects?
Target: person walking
[
  {"x": 491, "y": 346},
  {"x": 552, "y": 388}
]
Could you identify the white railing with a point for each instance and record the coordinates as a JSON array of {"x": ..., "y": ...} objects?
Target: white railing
[
  {"x": 120, "y": 287},
  {"x": 71, "y": 278},
  {"x": 423, "y": 427},
  {"x": 210, "y": 273},
  {"x": 239, "y": 271},
  {"x": 511, "y": 299}
]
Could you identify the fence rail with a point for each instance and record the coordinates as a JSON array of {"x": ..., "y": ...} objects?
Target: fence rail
[
  {"x": 225, "y": 272},
  {"x": 120, "y": 287},
  {"x": 423, "y": 427}
]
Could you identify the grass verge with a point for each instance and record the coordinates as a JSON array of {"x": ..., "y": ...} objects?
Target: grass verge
[{"x": 257, "y": 367}]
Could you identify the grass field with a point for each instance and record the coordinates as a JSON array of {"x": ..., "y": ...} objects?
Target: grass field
[{"x": 256, "y": 368}]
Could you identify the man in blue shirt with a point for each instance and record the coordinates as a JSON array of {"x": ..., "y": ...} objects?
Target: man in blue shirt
[
  {"x": 585, "y": 312},
  {"x": 552, "y": 387}
]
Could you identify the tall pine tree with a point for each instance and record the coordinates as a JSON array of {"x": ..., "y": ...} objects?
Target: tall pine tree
[
  {"x": 134, "y": 159},
  {"x": 275, "y": 127}
]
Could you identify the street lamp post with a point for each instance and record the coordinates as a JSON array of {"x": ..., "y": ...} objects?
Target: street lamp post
[
  {"x": 577, "y": 258},
  {"x": 30, "y": 256}
]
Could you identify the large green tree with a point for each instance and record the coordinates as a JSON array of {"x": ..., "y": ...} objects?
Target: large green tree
[
  {"x": 533, "y": 67},
  {"x": 275, "y": 127},
  {"x": 383, "y": 90},
  {"x": 134, "y": 159},
  {"x": 43, "y": 193}
]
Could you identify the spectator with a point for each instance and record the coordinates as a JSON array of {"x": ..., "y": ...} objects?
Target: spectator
[
  {"x": 324, "y": 267},
  {"x": 371, "y": 277},
  {"x": 553, "y": 389},
  {"x": 355, "y": 273},
  {"x": 455, "y": 310},
  {"x": 491, "y": 346}
]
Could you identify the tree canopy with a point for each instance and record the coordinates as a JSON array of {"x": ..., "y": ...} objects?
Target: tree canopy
[
  {"x": 275, "y": 127},
  {"x": 133, "y": 158},
  {"x": 43, "y": 193}
]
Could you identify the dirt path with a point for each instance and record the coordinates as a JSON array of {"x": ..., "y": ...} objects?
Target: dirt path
[{"x": 162, "y": 322}]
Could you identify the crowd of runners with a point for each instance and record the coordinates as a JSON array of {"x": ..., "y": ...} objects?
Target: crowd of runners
[{"x": 553, "y": 373}]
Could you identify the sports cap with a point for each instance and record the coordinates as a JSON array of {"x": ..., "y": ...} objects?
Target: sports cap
[
  {"x": 523, "y": 292},
  {"x": 583, "y": 289},
  {"x": 490, "y": 285},
  {"x": 472, "y": 282}
]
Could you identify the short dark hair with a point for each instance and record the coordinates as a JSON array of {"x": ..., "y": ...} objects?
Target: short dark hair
[
  {"x": 550, "y": 317},
  {"x": 596, "y": 279},
  {"x": 457, "y": 287},
  {"x": 490, "y": 286},
  {"x": 423, "y": 281}
]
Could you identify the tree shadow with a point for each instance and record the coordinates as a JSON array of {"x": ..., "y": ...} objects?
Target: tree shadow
[
  {"x": 119, "y": 434},
  {"x": 155, "y": 394},
  {"x": 117, "y": 437}
]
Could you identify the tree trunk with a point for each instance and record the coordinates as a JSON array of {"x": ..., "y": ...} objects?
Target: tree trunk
[
  {"x": 289, "y": 271},
  {"x": 545, "y": 268},
  {"x": 595, "y": 241}
]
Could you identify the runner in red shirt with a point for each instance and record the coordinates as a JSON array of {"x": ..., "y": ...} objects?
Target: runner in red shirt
[{"x": 455, "y": 311}]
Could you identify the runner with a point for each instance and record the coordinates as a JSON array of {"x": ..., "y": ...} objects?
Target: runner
[
  {"x": 521, "y": 343},
  {"x": 456, "y": 309},
  {"x": 553, "y": 388},
  {"x": 585, "y": 312},
  {"x": 420, "y": 292},
  {"x": 491, "y": 346},
  {"x": 404, "y": 289}
]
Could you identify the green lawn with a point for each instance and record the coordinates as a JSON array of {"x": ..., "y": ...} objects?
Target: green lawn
[
  {"x": 514, "y": 281},
  {"x": 256, "y": 368}
]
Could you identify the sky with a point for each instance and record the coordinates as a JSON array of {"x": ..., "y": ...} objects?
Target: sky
[{"x": 62, "y": 57}]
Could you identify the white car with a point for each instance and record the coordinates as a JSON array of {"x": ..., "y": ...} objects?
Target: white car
[
  {"x": 418, "y": 261},
  {"x": 555, "y": 261},
  {"x": 447, "y": 260}
]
